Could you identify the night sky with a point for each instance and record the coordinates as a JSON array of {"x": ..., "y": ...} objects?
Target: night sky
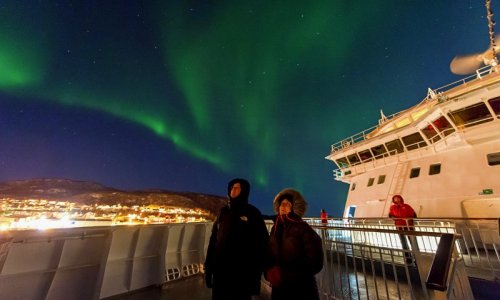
[{"x": 186, "y": 95}]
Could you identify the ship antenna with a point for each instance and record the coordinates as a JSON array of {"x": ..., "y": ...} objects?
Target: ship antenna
[
  {"x": 470, "y": 63},
  {"x": 491, "y": 31}
]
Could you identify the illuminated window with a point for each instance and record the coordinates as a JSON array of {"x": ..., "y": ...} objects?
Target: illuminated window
[
  {"x": 435, "y": 169},
  {"x": 370, "y": 181},
  {"x": 493, "y": 159},
  {"x": 416, "y": 115},
  {"x": 403, "y": 122},
  {"x": 381, "y": 179},
  {"x": 471, "y": 115},
  {"x": 415, "y": 172}
]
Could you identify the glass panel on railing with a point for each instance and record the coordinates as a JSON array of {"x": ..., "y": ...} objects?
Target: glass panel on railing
[
  {"x": 354, "y": 159},
  {"x": 379, "y": 151},
  {"x": 342, "y": 163},
  {"x": 471, "y": 115},
  {"x": 495, "y": 105},
  {"x": 394, "y": 147},
  {"x": 431, "y": 133},
  {"x": 414, "y": 141},
  {"x": 443, "y": 125},
  {"x": 365, "y": 155}
]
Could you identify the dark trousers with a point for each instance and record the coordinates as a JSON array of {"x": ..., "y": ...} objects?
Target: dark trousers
[{"x": 405, "y": 245}]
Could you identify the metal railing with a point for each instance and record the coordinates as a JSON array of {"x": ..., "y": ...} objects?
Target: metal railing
[
  {"x": 375, "y": 244},
  {"x": 98, "y": 262}
]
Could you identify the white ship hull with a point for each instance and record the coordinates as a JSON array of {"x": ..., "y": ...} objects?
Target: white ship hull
[{"x": 453, "y": 133}]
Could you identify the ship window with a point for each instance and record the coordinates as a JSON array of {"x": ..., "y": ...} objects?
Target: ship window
[
  {"x": 394, "y": 147},
  {"x": 353, "y": 186},
  {"x": 495, "y": 105},
  {"x": 415, "y": 172},
  {"x": 379, "y": 151},
  {"x": 471, "y": 115},
  {"x": 370, "y": 181},
  {"x": 353, "y": 159},
  {"x": 435, "y": 169},
  {"x": 351, "y": 211},
  {"x": 443, "y": 126},
  {"x": 342, "y": 162},
  {"x": 431, "y": 133},
  {"x": 494, "y": 159},
  {"x": 381, "y": 179},
  {"x": 365, "y": 155},
  {"x": 413, "y": 141}
]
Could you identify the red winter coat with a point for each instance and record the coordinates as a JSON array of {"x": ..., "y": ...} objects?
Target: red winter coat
[
  {"x": 402, "y": 215},
  {"x": 324, "y": 217}
]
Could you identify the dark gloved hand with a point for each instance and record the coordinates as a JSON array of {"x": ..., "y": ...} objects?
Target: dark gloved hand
[
  {"x": 208, "y": 279},
  {"x": 273, "y": 275}
]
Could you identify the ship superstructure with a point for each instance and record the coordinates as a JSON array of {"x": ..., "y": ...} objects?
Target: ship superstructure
[{"x": 442, "y": 155}]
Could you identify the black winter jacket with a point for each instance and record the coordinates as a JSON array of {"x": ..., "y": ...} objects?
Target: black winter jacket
[{"x": 236, "y": 252}]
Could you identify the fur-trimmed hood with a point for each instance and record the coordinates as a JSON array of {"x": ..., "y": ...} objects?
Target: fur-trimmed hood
[{"x": 299, "y": 204}]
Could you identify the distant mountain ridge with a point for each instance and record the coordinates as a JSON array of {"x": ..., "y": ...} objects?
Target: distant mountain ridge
[{"x": 91, "y": 193}]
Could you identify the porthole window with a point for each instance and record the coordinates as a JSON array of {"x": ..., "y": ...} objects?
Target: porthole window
[
  {"x": 381, "y": 179},
  {"x": 370, "y": 181},
  {"x": 415, "y": 172},
  {"x": 435, "y": 169},
  {"x": 493, "y": 159}
]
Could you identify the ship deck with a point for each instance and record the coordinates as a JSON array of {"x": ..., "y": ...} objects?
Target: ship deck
[
  {"x": 363, "y": 259},
  {"x": 192, "y": 288}
]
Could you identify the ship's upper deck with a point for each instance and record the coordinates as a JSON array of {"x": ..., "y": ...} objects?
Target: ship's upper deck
[
  {"x": 483, "y": 77},
  {"x": 454, "y": 108}
]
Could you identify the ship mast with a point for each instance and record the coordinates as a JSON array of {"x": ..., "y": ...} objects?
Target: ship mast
[{"x": 491, "y": 31}]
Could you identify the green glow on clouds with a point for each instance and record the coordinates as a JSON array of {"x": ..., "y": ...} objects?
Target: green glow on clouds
[{"x": 233, "y": 67}]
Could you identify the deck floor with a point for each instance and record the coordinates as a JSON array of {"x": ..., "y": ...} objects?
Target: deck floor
[{"x": 192, "y": 288}]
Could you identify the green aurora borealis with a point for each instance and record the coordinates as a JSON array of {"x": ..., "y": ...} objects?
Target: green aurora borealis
[{"x": 258, "y": 89}]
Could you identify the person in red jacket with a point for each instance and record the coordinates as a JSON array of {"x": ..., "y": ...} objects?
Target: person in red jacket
[
  {"x": 403, "y": 215},
  {"x": 323, "y": 216}
]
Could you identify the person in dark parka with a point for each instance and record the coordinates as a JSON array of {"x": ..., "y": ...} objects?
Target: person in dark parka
[
  {"x": 237, "y": 247},
  {"x": 295, "y": 251}
]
